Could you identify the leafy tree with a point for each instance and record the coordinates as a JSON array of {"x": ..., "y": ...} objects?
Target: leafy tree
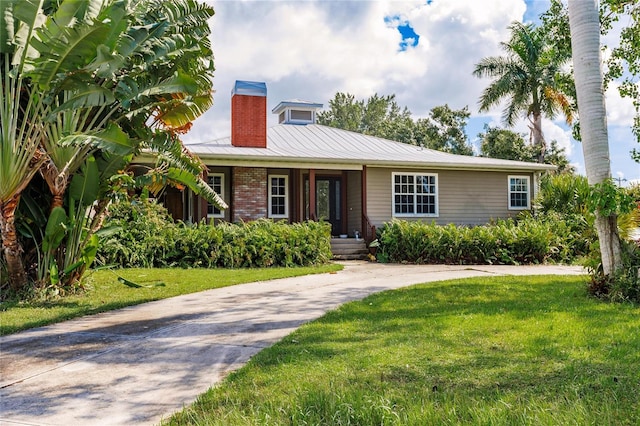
[
  {"x": 509, "y": 145},
  {"x": 530, "y": 78},
  {"x": 99, "y": 81},
  {"x": 504, "y": 144},
  {"x": 623, "y": 63},
  {"x": 377, "y": 116},
  {"x": 344, "y": 113},
  {"x": 444, "y": 131},
  {"x": 381, "y": 116}
]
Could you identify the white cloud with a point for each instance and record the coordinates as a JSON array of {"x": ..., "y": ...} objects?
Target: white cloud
[
  {"x": 312, "y": 49},
  {"x": 620, "y": 111}
]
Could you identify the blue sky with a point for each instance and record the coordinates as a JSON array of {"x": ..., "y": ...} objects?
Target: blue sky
[{"x": 423, "y": 52}]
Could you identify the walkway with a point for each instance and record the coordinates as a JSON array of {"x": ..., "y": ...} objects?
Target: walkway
[{"x": 140, "y": 364}]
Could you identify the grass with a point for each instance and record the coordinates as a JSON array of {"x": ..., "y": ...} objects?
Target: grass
[
  {"x": 105, "y": 292},
  {"x": 494, "y": 351}
]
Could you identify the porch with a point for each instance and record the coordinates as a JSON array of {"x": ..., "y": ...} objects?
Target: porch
[{"x": 338, "y": 197}]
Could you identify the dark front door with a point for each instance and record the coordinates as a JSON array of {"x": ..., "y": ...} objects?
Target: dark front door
[{"x": 329, "y": 202}]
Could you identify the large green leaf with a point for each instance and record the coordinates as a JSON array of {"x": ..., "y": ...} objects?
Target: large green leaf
[
  {"x": 85, "y": 186},
  {"x": 56, "y": 229},
  {"x": 197, "y": 185},
  {"x": 83, "y": 92},
  {"x": 66, "y": 50},
  {"x": 111, "y": 139},
  {"x": 27, "y": 17}
]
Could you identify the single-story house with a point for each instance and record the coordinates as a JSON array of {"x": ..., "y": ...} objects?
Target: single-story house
[{"x": 299, "y": 170}]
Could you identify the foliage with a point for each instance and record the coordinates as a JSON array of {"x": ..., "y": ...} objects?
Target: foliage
[
  {"x": 506, "y": 242},
  {"x": 478, "y": 351},
  {"x": 377, "y": 116},
  {"x": 608, "y": 199},
  {"x": 105, "y": 291},
  {"x": 623, "y": 62},
  {"x": 381, "y": 116},
  {"x": 624, "y": 285},
  {"x": 146, "y": 236},
  {"x": 573, "y": 202},
  {"x": 509, "y": 145},
  {"x": 99, "y": 83},
  {"x": 443, "y": 130},
  {"x": 530, "y": 77}
]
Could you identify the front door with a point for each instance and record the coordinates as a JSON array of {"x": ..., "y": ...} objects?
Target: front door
[{"x": 329, "y": 202}]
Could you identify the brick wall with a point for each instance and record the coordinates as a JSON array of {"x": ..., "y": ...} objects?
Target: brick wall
[
  {"x": 249, "y": 121},
  {"x": 249, "y": 193}
]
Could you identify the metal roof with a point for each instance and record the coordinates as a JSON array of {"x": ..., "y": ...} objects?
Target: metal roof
[
  {"x": 314, "y": 143},
  {"x": 296, "y": 103}
]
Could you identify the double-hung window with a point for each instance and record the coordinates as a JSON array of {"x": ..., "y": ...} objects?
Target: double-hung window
[
  {"x": 278, "y": 199},
  {"x": 415, "y": 194},
  {"x": 519, "y": 192},
  {"x": 216, "y": 182}
]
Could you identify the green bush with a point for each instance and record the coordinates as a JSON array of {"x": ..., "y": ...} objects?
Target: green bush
[
  {"x": 528, "y": 240},
  {"x": 144, "y": 235}
]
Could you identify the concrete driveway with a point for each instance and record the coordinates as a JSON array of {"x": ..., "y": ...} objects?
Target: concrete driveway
[{"x": 137, "y": 365}]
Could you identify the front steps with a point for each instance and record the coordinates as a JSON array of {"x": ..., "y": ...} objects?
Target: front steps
[{"x": 349, "y": 249}]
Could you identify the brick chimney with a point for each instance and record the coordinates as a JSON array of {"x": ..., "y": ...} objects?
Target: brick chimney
[{"x": 249, "y": 114}]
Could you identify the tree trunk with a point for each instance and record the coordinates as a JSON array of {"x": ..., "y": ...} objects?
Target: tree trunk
[
  {"x": 538, "y": 137},
  {"x": 584, "y": 23},
  {"x": 10, "y": 245}
]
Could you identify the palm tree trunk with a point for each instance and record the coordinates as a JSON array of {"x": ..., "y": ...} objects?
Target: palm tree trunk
[
  {"x": 585, "y": 44},
  {"x": 538, "y": 137},
  {"x": 10, "y": 245}
]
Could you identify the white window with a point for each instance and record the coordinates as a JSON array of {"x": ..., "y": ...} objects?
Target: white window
[
  {"x": 278, "y": 200},
  {"x": 415, "y": 194},
  {"x": 216, "y": 182},
  {"x": 519, "y": 188}
]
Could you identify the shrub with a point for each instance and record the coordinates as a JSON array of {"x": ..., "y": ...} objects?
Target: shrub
[
  {"x": 528, "y": 240},
  {"x": 622, "y": 287},
  {"x": 143, "y": 234}
]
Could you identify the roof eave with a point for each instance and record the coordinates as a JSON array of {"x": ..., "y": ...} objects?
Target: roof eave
[{"x": 532, "y": 167}]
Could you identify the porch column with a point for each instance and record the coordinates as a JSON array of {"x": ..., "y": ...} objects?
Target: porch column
[
  {"x": 343, "y": 204},
  {"x": 312, "y": 194},
  {"x": 365, "y": 217}
]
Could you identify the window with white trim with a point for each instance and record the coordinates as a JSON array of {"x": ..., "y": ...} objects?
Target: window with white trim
[
  {"x": 519, "y": 190},
  {"x": 216, "y": 182},
  {"x": 278, "y": 200},
  {"x": 415, "y": 194}
]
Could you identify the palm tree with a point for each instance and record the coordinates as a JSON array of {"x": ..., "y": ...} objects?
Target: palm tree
[
  {"x": 100, "y": 82},
  {"x": 585, "y": 45},
  {"x": 530, "y": 78}
]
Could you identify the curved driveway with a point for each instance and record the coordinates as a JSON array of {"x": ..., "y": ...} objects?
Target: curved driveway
[{"x": 136, "y": 365}]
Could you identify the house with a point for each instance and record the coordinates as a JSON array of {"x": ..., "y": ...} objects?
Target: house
[{"x": 300, "y": 170}]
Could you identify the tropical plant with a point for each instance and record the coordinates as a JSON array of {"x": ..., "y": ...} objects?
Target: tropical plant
[
  {"x": 100, "y": 82},
  {"x": 530, "y": 78}
]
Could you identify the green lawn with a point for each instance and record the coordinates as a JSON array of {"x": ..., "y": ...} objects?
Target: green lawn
[
  {"x": 494, "y": 351},
  {"x": 105, "y": 292}
]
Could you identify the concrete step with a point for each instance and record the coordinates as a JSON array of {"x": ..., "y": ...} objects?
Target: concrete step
[{"x": 349, "y": 249}]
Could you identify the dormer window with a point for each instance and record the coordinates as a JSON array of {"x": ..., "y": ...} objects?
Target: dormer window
[{"x": 296, "y": 112}]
